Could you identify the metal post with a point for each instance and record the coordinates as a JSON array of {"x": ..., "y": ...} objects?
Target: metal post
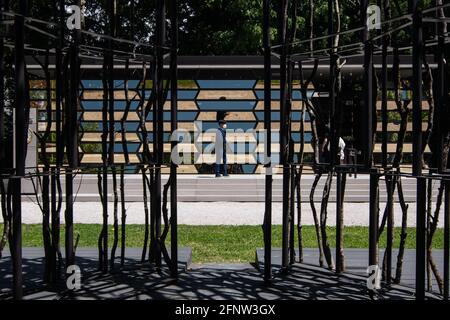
[
  {"x": 332, "y": 84},
  {"x": 59, "y": 88},
  {"x": 2, "y": 100},
  {"x": 441, "y": 94},
  {"x": 284, "y": 135},
  {"x": 55, "y": 218},
  {"x": 446, "y": 240},
  {"x": 339, "y": 224},
  {"x": 367, "y": 111},
  {"x": 174, "y": 126},
  {"x": 384, "y": 79},
  {"x": 159, "y": 133},
  {"x": 21, "y": 129},
  {"x": 72, "y": 143},
  {"x": 55, "y": 178},
  {"x": 421, "y": 238},
  {"x": 110, "y": 67},
  {"x": 417, "y": 150},
  {"x": 267, "y": 126},
  {"x": 373, "y": 217},
  {"x": 390, "y": 183},
  {"x": 292, "y": 216}
]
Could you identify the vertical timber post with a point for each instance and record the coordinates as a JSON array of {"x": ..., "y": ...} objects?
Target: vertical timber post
[
  {"x": 339, "y": 226},
  {"x": 20, "y": 147},
  {"x": 367, "y": 109},
  {"x": 366, "y": 115},
  {"x": 384, "y": 80},
  {"x": 441, "y": 125},
  {"x": 417, "y": 38},
  {"x": 446, "y": 240},
  {"x": 284, "y": 135},
  {"x": 72, "y": 143},
  {"x": 332, "y": 84},
  {"x": 2, "y": 99},
  {"x": 390, "y": 183},
  {"x": 159, "y": 134},
  {"x": 373, "y": 216},
  {"x": 174, "y": 127},
  {"x": 268, "y": 128}
]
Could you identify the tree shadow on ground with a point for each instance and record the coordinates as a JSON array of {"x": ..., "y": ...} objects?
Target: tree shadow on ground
[{"x": 137, "y": 281}]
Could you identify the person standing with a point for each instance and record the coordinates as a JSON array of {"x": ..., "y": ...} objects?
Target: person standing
[
  {"x": 221, "y": 150},
  {"x": 326, "y": 146}
]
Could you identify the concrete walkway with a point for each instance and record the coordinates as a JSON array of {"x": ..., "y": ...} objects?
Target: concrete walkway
[
  {"x": 239, "y": 188},
  {"x": 220, "y": 213}
]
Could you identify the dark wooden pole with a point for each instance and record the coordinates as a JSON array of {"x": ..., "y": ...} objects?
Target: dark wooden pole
[
  {"x": 339, "y": 224},
  {"x": 284, "y": 133},
  {"x": 373, "y": 216},
  {"x": 2, "y": 99},
  {"x": 332, "y": 83},
  {"x": 447, "y": 240},
  {"x": 72, "y": 141},
  {"x": 268, "y": 130},
  {"x": 174, "y": 127},
  {"x": 384, "y": 79},
  {"x": 367, "y": 107},
  {"x": 159, "y": 132},
  {"x": 21, "y": 129},
  {"x": 417, "y": 41},
  {"x": 390, "y": 183}
]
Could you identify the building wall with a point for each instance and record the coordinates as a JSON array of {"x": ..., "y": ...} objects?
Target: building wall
[{"x": 199, "y": 100}]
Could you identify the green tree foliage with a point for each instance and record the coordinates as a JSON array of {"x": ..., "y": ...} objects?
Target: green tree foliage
[{"x": 219, "y": 27}]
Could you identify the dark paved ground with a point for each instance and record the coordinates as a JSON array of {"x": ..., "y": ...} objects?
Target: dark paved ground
[
  {"x": 357, "y": 260},
  {"x": 210, "y": 281}
]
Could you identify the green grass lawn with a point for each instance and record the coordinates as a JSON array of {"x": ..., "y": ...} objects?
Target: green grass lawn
[{"x": 222, "y": 243}]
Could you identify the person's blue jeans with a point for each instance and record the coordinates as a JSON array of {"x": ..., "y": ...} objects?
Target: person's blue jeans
[{"x": 222, "y": 168}]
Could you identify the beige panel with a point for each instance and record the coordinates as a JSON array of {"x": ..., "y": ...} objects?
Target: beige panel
[
  {"x": 260, "y": 106},
  {"x": 118, "y": 95},
  {"x": 276, "y": 85},
  {"x": 97, "y": 137},
  {"x": 97, "y": 116},
  {"x": 189, "y": 126},
  {"x": 274, "y": 126},
  {"x": 184, "y": 147},
  {"x": 187, "y": 105},
  {"x": 228, "y": 94},
  {"x": 236, "y": 116},
  {"x": 296, "y": 126},
  {"x": 296, "y": 105},
  {"x": 187, "y": 169},
  {"x": 231, "y": 137},
  {"x": 395, "y": 127},
  {"x": 231, "y": 159},
  {"x": 407, "y": 148},
  {"x": 275, "y": 105},
  {"x": 118, "y": 158},
  {"x": 276, "y": 148},
  {"x": 207, "y": 116},
  {"x": 393, "y": 106}
]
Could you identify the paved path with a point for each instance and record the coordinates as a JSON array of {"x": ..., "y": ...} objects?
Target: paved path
[
  {"x": 242, "y": 188},
  {"x": 357, "y": 260},
  {"x": 220, "y": 213},
  {"x": 202, "y": 282}
]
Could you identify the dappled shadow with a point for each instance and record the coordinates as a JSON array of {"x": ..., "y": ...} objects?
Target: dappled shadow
[{"x": 236, "y": 282}]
